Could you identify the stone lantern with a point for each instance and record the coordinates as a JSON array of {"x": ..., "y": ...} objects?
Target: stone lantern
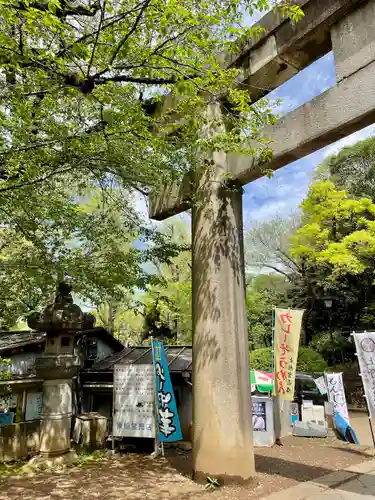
[{"x": 57, "y": 366}]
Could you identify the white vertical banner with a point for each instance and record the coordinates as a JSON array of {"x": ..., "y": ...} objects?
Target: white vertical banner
[
  {"x": 336, "y": 394},
  {"x": 365, "y": 346}
]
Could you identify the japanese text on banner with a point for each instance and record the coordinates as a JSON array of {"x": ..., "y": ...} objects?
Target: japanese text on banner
[
  {"x": 286, "y": 343},
  {"x": 336, "y": 394},
  {"x": 365, "y": 346},
  {"x": 168, "y": 421}
]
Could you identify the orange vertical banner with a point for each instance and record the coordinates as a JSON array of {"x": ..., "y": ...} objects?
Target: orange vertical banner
[{"x": 286, "y": 343}]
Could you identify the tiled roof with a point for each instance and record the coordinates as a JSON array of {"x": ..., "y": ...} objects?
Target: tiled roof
[
  {"x": 179, "y": 358},
  {"x": 14, "y": 340}
]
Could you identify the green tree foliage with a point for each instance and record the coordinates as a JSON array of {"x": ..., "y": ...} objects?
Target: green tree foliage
[
  {"x": 326, "y": 251},
  {"x": 308, "y": 360},
  {"x": 168, "y": 304},
  {"x": 5, "y": 373},
  {"x": 82, "y": 84},
  {"x": 163, "y": 308},
  {"x": 90, "y": 233},
  {"x": 352, "y": 169},
  {"x": 337, "y": 244},
  {"x": 267, "y": 247},
  {"x": 122, "y": 319},
  {"x": 337, "y": 232},
  {"x": 92, "y": 94},
  {"x": 259, "y": 319},
  {"x": 263, "y": 294},
  {"x": 335, "y": 349}
]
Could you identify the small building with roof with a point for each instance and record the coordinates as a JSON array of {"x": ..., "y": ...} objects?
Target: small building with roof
[
  {"x": 97, "y": 380},
  {"x": 20, "y": 396}
]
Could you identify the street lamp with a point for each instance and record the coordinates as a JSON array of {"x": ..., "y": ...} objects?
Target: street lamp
[{"x": 328, "y": 302}]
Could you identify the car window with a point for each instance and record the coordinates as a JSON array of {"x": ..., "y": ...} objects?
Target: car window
[{"x": 308, "y": 385}]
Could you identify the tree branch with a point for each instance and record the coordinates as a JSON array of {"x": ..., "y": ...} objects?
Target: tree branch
[
  {"x": 35, "y": 181},
  {"x": 144, "y": 80},
  {"x": 102, "y": 13},
  {"x": 65, "y": 9},
  {"x": 112, "y": 22},
  {"x": 278, "y": 271},
  {"x": 171, "y": 39},
  {"x": 129, "y": 34}
]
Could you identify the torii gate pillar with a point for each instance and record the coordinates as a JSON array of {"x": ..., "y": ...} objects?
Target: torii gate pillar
[{"x": 222, "y": 430}]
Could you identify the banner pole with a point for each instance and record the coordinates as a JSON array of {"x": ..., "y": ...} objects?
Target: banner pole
[
  {"x": 365, "y": 397},
  {"x": 273, "y": 348},
  {"x": 113, "y": 414},
  {"x": 370, "y": 424},
  {"x": 156, "y": 452},
  {"x": 162, "y": 443},
  {"x": 276, "y": 398}
]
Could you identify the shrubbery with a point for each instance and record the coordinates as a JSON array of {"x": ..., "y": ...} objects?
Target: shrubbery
[
  {"x": 308, "y": 360},
  {"x": 5, "y": 373},
  {"x": 333, "y": 348}
]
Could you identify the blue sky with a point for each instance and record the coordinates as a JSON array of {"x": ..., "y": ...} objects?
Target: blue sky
[
  {"x": 266, "y": 198},
  {"x": 282, "y": 194}
]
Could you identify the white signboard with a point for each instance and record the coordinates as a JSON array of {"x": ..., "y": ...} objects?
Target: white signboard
[
  {"x": 365, "y": 345},
  {"x": 134, "y": 398},
  {"x": 34, "y": 403},
  {"x": 336, "y": 394}
]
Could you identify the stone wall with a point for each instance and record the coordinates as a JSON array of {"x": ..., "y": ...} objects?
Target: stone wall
[{"x": 19, "y": 441}]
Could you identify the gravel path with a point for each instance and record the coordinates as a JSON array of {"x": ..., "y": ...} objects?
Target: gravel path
[{"x": 134, "y": 476}]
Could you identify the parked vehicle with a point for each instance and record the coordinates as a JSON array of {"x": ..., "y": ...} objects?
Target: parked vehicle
[{"x": 306, "y": 389}]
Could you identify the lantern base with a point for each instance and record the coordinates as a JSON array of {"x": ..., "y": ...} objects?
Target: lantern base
[{"x": 48, "y": 462}]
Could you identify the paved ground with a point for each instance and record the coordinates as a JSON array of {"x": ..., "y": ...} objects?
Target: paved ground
[
  {"x": 353, "y": 483},
  {"x": 360, "y": 423}
]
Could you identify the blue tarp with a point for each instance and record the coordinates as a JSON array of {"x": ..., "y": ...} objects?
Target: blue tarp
[{"x": 344, "y": 429}]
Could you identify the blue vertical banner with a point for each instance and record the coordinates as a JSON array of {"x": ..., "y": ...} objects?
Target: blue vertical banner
[{"x": 168, "y": 421}]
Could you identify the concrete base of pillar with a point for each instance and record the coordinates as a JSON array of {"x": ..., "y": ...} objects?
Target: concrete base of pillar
[{"x": 43, "y": 461}]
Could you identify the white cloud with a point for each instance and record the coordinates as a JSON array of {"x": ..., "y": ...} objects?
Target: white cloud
[{"x": 141, "y": 204}]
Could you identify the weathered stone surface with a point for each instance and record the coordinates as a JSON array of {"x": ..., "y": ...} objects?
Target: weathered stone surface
[
  {"x": 353, "y": 40},
  {"x": 50, "y": 462},
  {"x": 56, "y": 416},
  {"x": 222, "y": 434},
  {"x": 329, "y": 117},
  {"x": 18, "y": 441},
  {"x": 169, "y": 197},
  {"x": 51, "y": 367}
]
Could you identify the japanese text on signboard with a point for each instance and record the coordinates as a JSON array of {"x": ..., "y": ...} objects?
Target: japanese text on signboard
[
  {"x": 365, "y": 345},
  {"x": 168, "y": 421},
  {"x": 287, "y": 335},
  {"x": 134, "y": 401}
]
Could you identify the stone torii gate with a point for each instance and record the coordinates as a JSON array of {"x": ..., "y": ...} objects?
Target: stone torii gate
[{"x": 222, "y": 431}]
